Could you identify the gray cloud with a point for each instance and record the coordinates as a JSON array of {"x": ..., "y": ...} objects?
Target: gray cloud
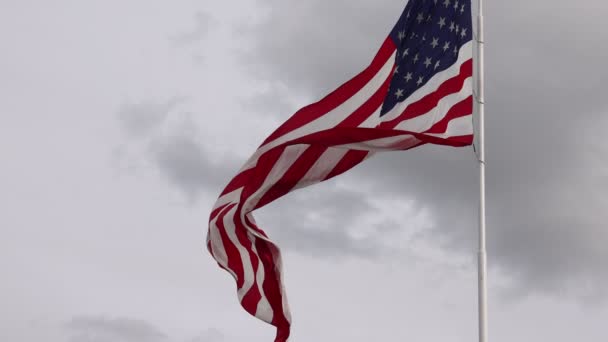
[
  {"x": 333, "y": 220},
  {"x": 316, "y": 54},
  {"x": 272, "y": 101},
  {"x": 203, "y": 23},
  {"x": 183, "y": 160},
  {"x": 210, "y": 335},
  {"x": 121, "y": 329},
  {"x": 141, "y": 119},
  {"x": 102, "y": 329},
  {"x": 545, "y": 104},
  {"x": 167, "y": 137}
]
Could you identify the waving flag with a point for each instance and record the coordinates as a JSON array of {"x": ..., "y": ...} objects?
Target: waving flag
[{"x": 417, "y": 90}]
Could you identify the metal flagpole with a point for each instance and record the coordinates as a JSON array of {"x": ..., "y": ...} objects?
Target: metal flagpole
[{"x": 482, "y": 256}]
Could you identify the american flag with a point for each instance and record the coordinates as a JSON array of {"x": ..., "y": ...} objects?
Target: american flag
[{"x": 417, "y": 90}]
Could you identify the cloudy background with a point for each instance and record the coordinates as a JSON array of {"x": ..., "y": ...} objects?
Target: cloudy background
[{"x": 122, "y": 121}]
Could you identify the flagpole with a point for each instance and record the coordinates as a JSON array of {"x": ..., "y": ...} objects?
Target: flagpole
[{"x": 482, "y": 255}]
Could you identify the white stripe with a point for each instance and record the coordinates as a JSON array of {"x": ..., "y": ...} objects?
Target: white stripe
[
  {"x": 457, "y": 127},
  {"x": 286, "y": 311},
  {"x": 373, "y": 120},
  {"x": 322, "y": 167},
  {"x": 232, "y": 197},
  {"x": 289, "y": 156},
  {"x": 383, "y": 144},
  {"x": 426, "y": 121},
  {"x": 263, "y": 309},
  {"x": 466, "y": 53},
  {"x": 334, "y": 116},
  {"x": 218, "y": 246},
  {"x": 230, "y": 229}
]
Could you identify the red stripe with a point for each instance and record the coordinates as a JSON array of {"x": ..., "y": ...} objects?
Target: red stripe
[
  {"x": 293, "y": 175},
  {"x": 462, "y": 108},
  {"x": 338, "y": 96},
  {"x": 234, "y": 257},
  {"x": 350, "y": 159},
  {"x": 368, "y": 108},
  {"x": 463, "y": 140},
  {"x": 260, "y": 172},
  {"x": 254, "y": 226},
  {"x": 268, "y": 254},
  {"x": 251, "y": 299},
  {"x": 217, "y": 211},
  {"x": 272, "y": 287},
  {"x": 352, "y": 135},
  {"x": 430, "y": 101},
  {"x": 209, "y": 247},
  {"x": 237, "y": 182}
]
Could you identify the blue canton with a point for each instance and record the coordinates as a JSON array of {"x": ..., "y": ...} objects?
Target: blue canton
[{"x": 428, "y": 36}]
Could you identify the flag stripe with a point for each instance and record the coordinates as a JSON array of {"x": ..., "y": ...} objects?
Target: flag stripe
[
  {"x": 351, "y": 159},
  {"x": 233, "y": 257},
  {"x": 294, "y": 174},
  {"x": 460, "y": 109},
  {"x": 314, "y": 111}
]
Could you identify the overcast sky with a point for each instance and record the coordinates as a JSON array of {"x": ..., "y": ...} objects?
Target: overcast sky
[{"x": 122, "y": 121}]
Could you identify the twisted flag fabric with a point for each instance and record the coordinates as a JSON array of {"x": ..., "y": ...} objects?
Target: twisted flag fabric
[{"x": 417, "y": 90}]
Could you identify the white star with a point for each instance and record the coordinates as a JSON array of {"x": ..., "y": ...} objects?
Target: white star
[
  {"x": 464, "y": 32},
  {"x": 420, "y": 80},
  {"x": 428, "y": 62},
  {"x": 462, "y": 9},
  {"x": 399, "y": 93},
  {"x": 437, "y": 65},
  {"x": 441, "y": 23},
  {"x": 416, "y": 58},
  {"x": 446, "y": 3},
  {"x": 446, "y": 46},
  {"x": 455, "y": 51},
  {"x": 456, "y": 5},
  {"x": 406, "y": 52},
  {"x": 396, "y": 70},
  {"x": 408, "y": 77},
  {"x": 435, "y": 43},
  {"x": 420, "y": 18},
  {"x": 452, "y": 26},
  {"x": 401, "y": 35}
]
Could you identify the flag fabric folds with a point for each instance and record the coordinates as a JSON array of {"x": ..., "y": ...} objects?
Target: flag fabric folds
[{"x": 417, "y": 90}]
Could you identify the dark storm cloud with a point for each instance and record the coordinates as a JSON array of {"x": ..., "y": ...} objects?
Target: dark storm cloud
[
  {"x": 102, "y": 329},
  {"x": 545, "y": 86}
]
